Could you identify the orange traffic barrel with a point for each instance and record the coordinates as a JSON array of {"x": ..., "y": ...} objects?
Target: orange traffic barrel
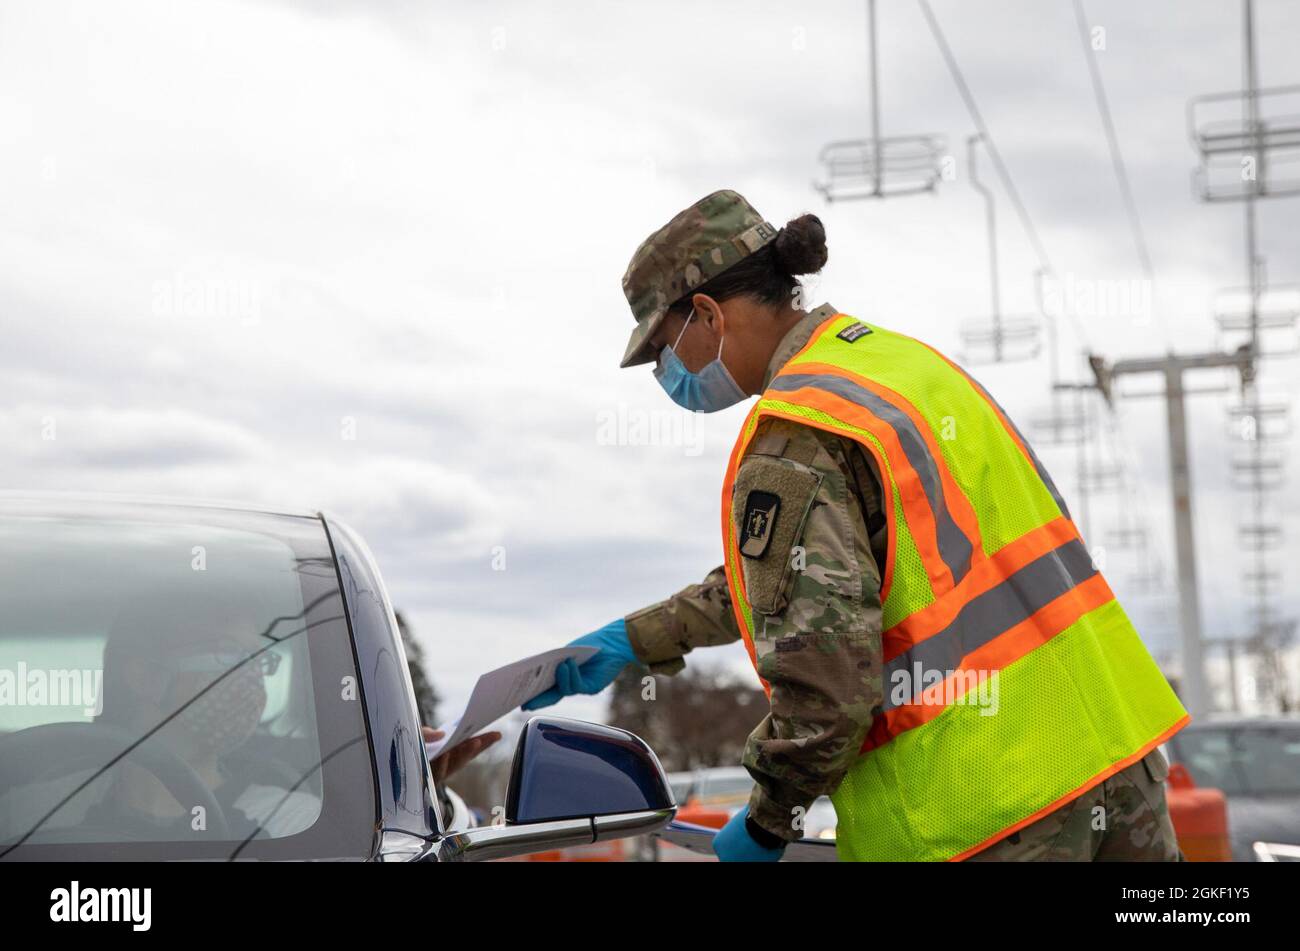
[
  {"x": 701, "y": 815},
  {"x": 1200, "y": 818}
]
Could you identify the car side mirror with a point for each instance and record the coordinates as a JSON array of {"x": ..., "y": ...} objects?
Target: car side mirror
[{"x": 571, "y": 783}]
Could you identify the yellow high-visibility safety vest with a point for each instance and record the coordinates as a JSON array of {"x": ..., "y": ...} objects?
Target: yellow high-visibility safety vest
[{"x": 1014, "y": 681}]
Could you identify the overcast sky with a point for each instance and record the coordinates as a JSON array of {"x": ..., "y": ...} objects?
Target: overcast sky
[{"x": 366, "y": 256}]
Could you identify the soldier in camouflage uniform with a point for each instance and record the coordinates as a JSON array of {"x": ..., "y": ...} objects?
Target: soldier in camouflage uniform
[{"x": 820, "y": 646}]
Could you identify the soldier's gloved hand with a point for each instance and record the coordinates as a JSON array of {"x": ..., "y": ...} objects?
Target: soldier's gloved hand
[
  {"x": 735, "y": 842},
  {"x": 594, "y": 675}
]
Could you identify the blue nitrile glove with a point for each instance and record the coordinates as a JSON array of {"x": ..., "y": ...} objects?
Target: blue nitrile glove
[
  {"x": 594, "y": 675},
  {"x": 733, "y": 843}
]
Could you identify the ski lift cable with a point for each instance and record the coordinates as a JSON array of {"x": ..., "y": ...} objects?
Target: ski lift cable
[
  {"x": 1026, "y": 222},
  {"x": 1117, "y": 159},
  {"x": 998, "y": 164}
]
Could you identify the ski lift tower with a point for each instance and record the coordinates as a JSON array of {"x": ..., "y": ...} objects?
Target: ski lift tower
[{"x": 1248, "y": 142}]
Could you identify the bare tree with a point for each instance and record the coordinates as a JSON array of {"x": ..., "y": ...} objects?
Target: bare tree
[{"x": 698, "y": 718}]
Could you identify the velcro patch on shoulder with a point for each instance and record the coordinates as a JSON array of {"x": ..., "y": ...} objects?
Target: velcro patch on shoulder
[
  {"x": 769, "y": 444},
  {"x": 853, "y": 331},
  {"x": 769, "y": 507}
]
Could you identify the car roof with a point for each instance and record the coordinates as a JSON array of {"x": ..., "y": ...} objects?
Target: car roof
[
  {"x": 93, "y": 503},
  {"x": 1218, "y": 721},
  {"x": 725, "y": 772}
]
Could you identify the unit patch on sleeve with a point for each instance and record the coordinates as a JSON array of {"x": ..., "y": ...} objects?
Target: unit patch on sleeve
[
  {"x": 761, "y": 510},
  {"x": 769, "y": 507}
]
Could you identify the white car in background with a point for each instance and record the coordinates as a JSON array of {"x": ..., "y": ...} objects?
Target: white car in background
[{"x": 709, "y": 797}]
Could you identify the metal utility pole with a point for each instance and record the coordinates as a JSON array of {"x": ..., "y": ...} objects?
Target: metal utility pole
[
  {"x": 1008, "y": 338},
  {"x": 876, "y": 145},
  {"x": 991, "y": 223},
  {"x": 1195, "y": 693},
  {"x": 1229, "y": 645}
]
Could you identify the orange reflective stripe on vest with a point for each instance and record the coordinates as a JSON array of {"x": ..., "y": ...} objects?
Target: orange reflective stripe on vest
[
  {"x": 926, "y": 486},
  {"x": 1013, "y": 679}
]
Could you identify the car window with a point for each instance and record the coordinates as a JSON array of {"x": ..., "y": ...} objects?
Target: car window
[
  {"x": 1257, "y": 759},
  {"x": 173, "y": 680}
]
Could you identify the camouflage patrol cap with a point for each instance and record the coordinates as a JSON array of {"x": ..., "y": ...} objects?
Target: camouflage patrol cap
[{"x": 696, "y": 246}]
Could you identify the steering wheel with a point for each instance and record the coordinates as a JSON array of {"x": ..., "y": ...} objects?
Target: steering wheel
[{"x": 46, "y": 752}]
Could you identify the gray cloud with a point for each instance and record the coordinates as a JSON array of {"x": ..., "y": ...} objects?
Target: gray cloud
[{"x": 236, "y": 233}]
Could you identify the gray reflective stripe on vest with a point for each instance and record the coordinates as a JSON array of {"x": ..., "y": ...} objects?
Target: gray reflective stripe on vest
[
  {"x": 1033, "y": 456},
  {"x": 954, "y": 547},
  {"x": 986, "y": 617}
]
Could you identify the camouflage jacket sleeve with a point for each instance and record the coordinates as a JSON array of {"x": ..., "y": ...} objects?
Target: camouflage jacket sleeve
[
  {"x": 807, "y": 510},
  {"x": 697, "y": 616}
]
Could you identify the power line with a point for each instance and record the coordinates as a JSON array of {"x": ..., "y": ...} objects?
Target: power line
[
  {"x": 1009, "y": 185},
  {"x": 999, "y": 166},
  {"x": 983, "y": 129},
  {"x": 1116, "y": 155}
]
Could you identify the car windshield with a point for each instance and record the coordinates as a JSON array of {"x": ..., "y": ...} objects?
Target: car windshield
[
  {"x": 174, "y": 679},
  {"x": 1254, "y": 759}
]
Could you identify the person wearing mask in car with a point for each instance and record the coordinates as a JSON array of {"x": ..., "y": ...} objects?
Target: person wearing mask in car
[
  {"x": 941, "y": 656},
  {"x": 200, "y": 693}
]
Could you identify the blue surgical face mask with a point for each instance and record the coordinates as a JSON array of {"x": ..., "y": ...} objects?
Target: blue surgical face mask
[{"x": 708, "y": 391}]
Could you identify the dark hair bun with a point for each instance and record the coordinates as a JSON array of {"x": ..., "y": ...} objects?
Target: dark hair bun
[{"x": 800, "y": 247}]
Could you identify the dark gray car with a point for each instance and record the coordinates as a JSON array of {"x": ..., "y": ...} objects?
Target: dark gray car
[
  {"x": 1255, "y": 761},
  {"x": 189, "y": 681}
]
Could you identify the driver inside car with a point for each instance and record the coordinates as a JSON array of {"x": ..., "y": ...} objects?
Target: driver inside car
[{"x": 205, "y": 683}]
